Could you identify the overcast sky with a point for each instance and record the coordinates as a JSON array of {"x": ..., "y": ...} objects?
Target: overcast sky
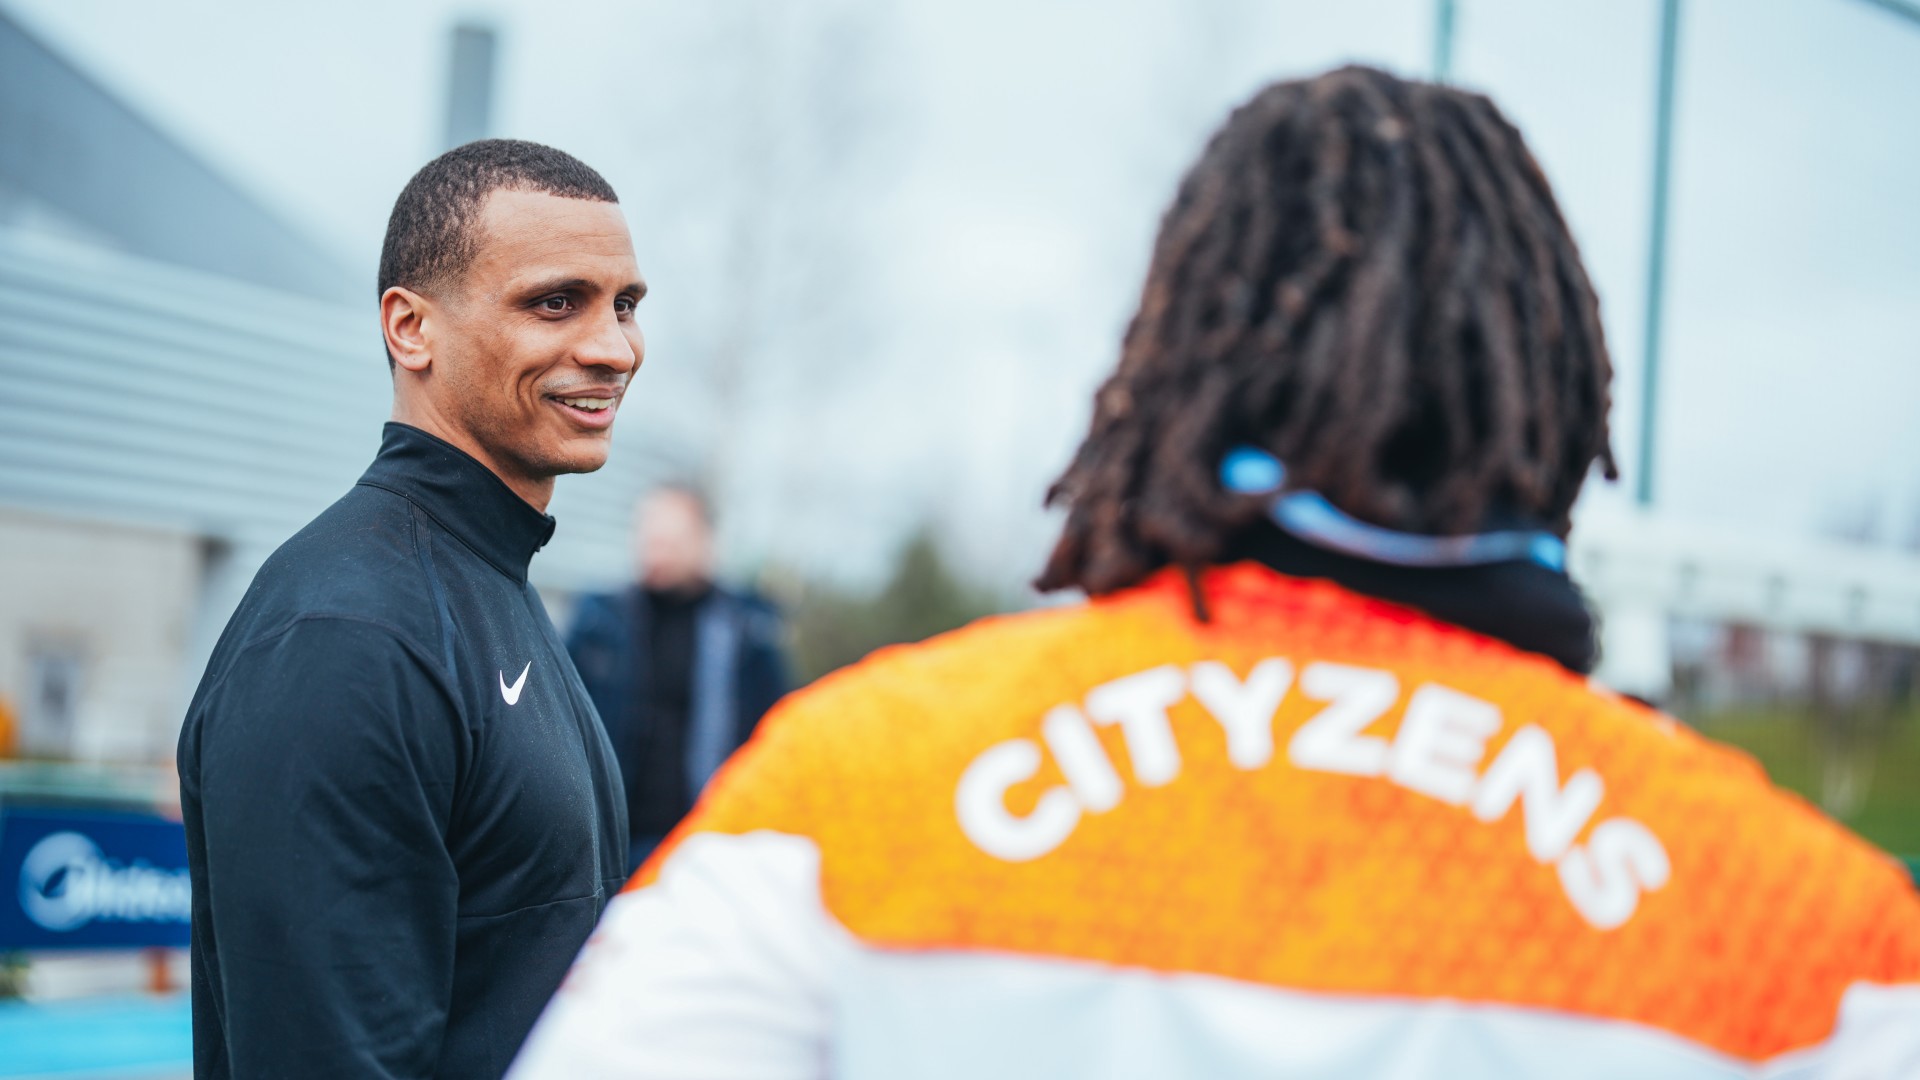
[{"x": 893, "y": 246}]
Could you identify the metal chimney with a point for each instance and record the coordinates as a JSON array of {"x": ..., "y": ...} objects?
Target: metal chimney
[{"x": 470, "y": 84}]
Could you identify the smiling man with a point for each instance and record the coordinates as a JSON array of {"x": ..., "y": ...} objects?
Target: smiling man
[{"x": 403, "y": 816}]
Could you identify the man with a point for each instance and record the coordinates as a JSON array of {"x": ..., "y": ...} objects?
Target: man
[
  {"x": 402, "y": 813},
  {"x": 1315, "y": 786},
  {"x": 680, "y": 668}
]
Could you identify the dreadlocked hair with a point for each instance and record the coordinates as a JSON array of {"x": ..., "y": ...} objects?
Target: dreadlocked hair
[{"x": 1368, "y": 278}]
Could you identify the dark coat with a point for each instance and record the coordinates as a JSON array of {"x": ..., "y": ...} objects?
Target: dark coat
[{"x": 740, "y": 671}]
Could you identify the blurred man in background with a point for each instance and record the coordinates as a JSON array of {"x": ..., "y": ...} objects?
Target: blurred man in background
[
  {"x": 680, "y": 667},
  {"x": 1315, "y": 785},
  {"x": 402, "y": 814}
]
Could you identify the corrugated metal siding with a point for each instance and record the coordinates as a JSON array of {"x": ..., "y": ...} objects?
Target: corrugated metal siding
[
  {"x": 142, "y": 392},
  {"x": 95, "y": 159},
  {"x": 145, "y": 392}
]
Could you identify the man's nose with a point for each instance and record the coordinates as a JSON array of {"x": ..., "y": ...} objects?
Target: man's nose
[{"x": 608, "y": 346}]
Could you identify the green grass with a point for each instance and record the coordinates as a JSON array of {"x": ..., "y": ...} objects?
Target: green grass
[{"x": 1784, "y": 743}]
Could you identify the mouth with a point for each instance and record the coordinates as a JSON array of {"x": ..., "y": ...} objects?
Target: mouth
[{"x": 592, "y": 409}]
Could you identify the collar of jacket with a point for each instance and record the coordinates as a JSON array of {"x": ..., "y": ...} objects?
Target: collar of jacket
[
  {"x": 1519, "y": 602},
  {"x": 464, "y": 496}
]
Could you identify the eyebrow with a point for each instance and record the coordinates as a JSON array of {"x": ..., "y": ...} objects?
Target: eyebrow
[{"x": 542, "y": 288}]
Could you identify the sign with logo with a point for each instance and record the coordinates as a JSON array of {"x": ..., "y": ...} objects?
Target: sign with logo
[{"x": 74, "y": 879}]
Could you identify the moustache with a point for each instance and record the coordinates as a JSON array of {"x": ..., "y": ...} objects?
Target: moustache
[{"x": 585, "y": 387}]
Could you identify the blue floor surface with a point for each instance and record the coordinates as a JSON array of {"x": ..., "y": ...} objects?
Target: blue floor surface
[{"x": 122, "y": 1038}]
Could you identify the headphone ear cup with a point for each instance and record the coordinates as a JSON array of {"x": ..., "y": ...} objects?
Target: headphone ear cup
[{"x": 1248, "y": 470}]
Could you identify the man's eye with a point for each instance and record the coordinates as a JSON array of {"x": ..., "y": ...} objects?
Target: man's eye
[
  {"x": 623, "y": 306},
  {"x": 555, "y": 305}
]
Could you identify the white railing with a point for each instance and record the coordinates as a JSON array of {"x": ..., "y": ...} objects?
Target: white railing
[{"x": 1642, "y": 570}]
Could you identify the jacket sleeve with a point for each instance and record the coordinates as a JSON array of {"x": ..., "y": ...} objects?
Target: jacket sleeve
[
  {"x": 765, "y": 675},
  {"x": 589, "y": 619},
  {"x": 329, "y": 758},
  {"x": 594, "y": 644}
]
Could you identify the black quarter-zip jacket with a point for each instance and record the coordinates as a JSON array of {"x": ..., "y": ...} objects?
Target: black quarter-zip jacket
[{"x": 403, "y": 816}]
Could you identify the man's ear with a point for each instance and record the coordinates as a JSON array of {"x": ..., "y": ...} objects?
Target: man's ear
[{"x": 403, "y": 318}]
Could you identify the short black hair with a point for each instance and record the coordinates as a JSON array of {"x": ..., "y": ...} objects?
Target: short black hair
[
  {"x": 1369, "y": 278},
  {"x": 430, "y": 239}
]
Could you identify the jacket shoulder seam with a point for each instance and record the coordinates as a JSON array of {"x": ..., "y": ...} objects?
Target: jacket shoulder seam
[{"x": 400, "y": 637}]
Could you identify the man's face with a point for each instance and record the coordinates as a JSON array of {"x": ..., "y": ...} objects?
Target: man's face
[
  {"x": 533, "y": 347},
  {"x": 676, "y": 546}
]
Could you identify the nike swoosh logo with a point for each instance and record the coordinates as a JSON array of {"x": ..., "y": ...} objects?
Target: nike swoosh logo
[{"x": 512, "y": 693}]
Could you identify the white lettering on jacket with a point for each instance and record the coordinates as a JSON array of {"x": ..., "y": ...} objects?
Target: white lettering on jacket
[
  {"x": 981, "y": 803},
  {"x": 1436, "y": 751}
]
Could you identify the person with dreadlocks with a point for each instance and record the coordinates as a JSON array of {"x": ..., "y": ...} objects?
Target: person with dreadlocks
[{"x": 1314, "y": 785}]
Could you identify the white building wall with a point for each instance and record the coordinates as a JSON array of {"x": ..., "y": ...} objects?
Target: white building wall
[{"x": 118, "y": 602}]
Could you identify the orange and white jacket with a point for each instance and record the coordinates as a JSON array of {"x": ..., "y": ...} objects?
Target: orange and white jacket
[{"x": 1318, "y": 836}]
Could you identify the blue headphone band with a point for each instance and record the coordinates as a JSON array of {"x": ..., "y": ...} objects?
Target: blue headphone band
[{"x": 1308, "y": 516}]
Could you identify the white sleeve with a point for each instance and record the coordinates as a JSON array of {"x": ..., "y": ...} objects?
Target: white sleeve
[
  {"x": 720, "y": 969},
  {"x": 1877, "y": 1036}
]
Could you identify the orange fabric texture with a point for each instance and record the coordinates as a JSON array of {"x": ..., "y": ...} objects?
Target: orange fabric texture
[{"x": 1304, "y": 877}]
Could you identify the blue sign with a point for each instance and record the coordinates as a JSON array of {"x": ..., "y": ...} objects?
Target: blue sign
[{"x": 75, "y": 879}]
